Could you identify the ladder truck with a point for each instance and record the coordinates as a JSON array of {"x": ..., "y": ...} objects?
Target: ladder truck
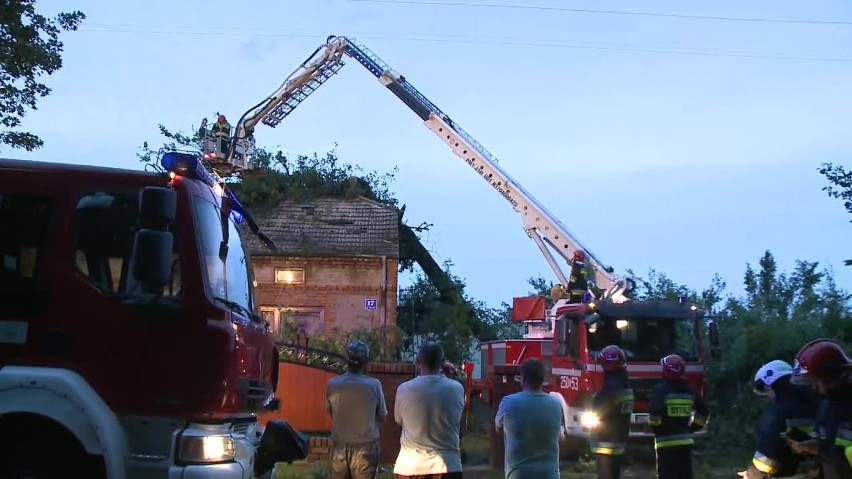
[{"x": 587, "y": 310}]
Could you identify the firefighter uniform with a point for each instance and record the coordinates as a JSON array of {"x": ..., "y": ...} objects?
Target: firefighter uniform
[
  {"x": 613, "y": 405},
  {"x": 676, "y": 412},
  {"x": 834, "y": 431},
  {"x": 221, "y": 129},
  {"x": 828, "y": 369},
  {"x": 793, "y": 411}
]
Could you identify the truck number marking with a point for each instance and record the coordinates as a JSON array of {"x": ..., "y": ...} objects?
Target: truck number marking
[{"x": 569, "y": 382}]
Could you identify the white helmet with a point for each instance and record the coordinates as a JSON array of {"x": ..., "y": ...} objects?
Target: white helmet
[{"x": 768, "y": 374}]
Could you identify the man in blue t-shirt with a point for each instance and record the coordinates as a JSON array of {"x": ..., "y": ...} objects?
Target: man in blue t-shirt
[{"x": 532, "y": 422}]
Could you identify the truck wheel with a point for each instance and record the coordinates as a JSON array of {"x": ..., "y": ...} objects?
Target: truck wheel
[{"x": 42, "y": 449}]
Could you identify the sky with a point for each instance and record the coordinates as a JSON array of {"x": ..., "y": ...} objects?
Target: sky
[{"x": 688, "y": 145}]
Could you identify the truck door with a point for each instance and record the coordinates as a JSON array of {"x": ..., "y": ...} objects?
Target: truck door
[{"x": 25, "y": 220}]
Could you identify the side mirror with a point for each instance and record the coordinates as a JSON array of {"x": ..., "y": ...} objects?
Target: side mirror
[
  {"x": 157, "y": 207},
  {"x": 561, "y": 331},
  {"x": 152, "y": 260},
  {"x": 713, "y": 333}
]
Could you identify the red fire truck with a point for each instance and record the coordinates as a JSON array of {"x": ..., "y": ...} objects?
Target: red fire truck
[
  {"x": 129, "y": 343},
  {"x": 646, "y": 331},
  {"x": 589, "y": 308}
]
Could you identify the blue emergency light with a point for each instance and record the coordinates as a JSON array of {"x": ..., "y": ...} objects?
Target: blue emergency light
[
  {"x": 186, "y": 164},
  {"x": 587, "y": 296}
]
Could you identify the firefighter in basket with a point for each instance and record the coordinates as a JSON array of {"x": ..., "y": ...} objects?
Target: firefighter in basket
[
  {"x": 790, "y": 413},
  {"x": 612, "y": 406},
  {"x": 676, "y": 412},
  {"x": 824, "y": 365},
  {"x": 221, "y": 129}
]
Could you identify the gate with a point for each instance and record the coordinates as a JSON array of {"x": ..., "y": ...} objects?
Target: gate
[{"x": 302, "y": 376}]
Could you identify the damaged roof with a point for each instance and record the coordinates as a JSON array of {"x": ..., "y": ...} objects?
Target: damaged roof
[{"x": 327, "y": 227}]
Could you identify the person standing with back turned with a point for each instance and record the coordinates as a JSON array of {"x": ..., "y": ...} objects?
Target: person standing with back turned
[
  {"x": 429, "y": 408},
  {"x": 676, "y": 412},
  {"x": 356, "y": 403},
  {"x": 532, "y": 423}
]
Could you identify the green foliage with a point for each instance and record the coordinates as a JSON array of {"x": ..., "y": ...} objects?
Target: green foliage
[
  {"x": 29, "y": 48},
  {"x": 383, "y": 341},
  {"x": 778, "y": 314},
  {"x": 278, "y": 177},
  {"x": 840, "y": 186},
  {"x": 422, "y": 314}
]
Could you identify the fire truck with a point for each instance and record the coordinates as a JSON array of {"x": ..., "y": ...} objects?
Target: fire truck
[
  {"x": 129, "y": 340},
  {"x": 587, "y": 310}
]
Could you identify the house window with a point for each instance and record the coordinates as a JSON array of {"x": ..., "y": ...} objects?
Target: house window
[
  {"x": 290, "y": 275},
  {"x": 308, "y": 322},
  {"x": 294, "y": 325}
]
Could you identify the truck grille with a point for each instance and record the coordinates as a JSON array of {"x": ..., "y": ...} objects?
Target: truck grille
[{"x": 642, "y": 388}]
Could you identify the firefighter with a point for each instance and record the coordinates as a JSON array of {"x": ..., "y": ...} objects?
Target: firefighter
[
  {"x": 612, "y": 406},
  {"x": 578, "y": 282},
  {"x": 792, "y": 411},
  {"x": 676, "y": 412},
  {"x": 825, "y": 365},
  {"x": 221, "y": 129}
]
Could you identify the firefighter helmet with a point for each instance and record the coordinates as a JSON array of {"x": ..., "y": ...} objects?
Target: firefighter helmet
[
  {"x": 768, "y": 374},
  {"x": 674, "y": 367},
  {"x": 449, "y": 370},
  {"x": 613, "y": 358},
  {"x": 822, "y": 359}
]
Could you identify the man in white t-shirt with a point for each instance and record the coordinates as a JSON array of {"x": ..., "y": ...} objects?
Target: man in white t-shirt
[
  {"x": 532, "y": 423},
  {"x": 356, "y": 403},
  {"x": 429, "y": 409}
]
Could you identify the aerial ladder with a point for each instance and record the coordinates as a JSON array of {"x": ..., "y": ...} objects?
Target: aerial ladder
[{"x": 587, "y": 277}]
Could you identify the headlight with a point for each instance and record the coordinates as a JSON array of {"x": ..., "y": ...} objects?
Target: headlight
[
  {"x": 206, "y": 448},
  {"x": 589, "y": 420}
]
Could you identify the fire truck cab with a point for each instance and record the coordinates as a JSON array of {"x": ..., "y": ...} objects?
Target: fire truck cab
[
  {"x": 570, "y": 345},
  {"x": 129, "y": 342}
]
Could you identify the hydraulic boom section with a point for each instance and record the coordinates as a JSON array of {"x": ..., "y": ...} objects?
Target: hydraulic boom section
[{"x": 539, "y": 223}]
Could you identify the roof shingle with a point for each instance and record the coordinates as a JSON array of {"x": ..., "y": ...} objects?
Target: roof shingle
[{"x": 327, "y": 227}]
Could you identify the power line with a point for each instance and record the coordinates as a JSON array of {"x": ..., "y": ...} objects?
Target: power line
[
  {"x": 546, "y": 43},
  {"x": 608, "y": 12}
]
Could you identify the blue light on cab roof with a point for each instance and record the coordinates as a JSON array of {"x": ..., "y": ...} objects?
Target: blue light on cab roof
[{"x": 186, "y": 164}]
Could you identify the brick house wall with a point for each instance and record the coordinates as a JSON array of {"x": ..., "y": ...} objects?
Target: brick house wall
[
  {"x": 338, "y": 289},
  {"x": 336, "y": 265}
]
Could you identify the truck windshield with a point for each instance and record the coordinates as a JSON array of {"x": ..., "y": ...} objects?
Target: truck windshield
[
  {"x": 228, "y": 281},
  {"x": 645, "y": 339}
]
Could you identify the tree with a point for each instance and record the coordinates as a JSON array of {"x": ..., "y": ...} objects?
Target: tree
[
  {"x": 840, "y": 187},
  {"x": 457, "y": 325},
  {"x": 29, "y": 48}
]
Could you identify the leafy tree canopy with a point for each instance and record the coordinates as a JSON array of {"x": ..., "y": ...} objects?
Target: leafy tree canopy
[
  {"x": 279, "y": 177},
  {"x": 840, "y": 186},
  {"x": 29, "y": 48}
]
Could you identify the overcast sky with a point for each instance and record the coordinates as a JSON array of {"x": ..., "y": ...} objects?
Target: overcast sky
[{"x": 689, "y": 145}]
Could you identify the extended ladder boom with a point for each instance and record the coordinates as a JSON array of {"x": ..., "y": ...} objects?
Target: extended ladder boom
[{"x": 539, "y": 224}]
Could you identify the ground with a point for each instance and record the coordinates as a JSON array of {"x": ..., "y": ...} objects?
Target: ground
[{"x": 708, "y": 464}]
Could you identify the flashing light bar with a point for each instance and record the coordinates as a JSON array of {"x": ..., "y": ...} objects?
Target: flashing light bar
[{"x": 188, "y": 165}]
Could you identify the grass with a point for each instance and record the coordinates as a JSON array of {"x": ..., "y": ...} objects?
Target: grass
[{"x": 709, "y": 462}]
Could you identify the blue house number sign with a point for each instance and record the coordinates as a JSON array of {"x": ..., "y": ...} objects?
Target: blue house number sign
[{"x": 371, "y": 304}]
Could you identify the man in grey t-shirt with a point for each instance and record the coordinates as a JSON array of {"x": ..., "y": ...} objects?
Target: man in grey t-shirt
[
  {"x": 356, "y": 403},
  {"x": 532, "y": 422}
]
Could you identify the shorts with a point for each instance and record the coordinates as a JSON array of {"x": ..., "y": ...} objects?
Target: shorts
[
  {"x": 354, "y": 461},
  {"x": 446, "y": 475}
]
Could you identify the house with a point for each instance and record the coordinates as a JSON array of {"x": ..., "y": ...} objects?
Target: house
[{"x": 336, "y": 268}]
